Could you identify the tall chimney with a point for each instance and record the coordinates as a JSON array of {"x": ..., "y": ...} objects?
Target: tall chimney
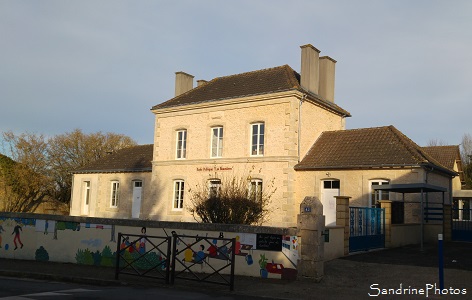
[
  {"x": 201, "y": 82},
  {"x": 327, "y": 75},
  {"x": 310, "y": 69},
  {"x": 183, "y": 83}
]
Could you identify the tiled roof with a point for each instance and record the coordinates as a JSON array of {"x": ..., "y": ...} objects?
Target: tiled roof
[
  {"x": 445, "y": 155},
  {"x": 266, "y": 81},
  {"x": 132, "y": 159},
  {"x": 365, "y": 148}
]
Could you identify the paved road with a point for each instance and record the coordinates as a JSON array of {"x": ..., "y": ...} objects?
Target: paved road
[{"x": 24, "y": 289}]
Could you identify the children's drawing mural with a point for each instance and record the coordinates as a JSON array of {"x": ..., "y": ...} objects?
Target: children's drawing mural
[{"x": 264, "y": 255}]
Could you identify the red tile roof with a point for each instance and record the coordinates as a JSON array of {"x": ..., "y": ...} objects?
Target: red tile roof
[
  {"x": 266, "y": 81},
  {"x": 366, "y": 148}
]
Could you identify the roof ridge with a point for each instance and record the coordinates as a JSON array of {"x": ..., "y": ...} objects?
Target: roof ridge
[
  {"x": 420, "y": 154},
  {"x": 251, "y": 72}
]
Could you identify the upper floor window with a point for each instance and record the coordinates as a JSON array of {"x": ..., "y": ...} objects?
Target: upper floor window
[
  {"x": 178, "y": 200},
  {"x": 376, "y": 195},
  {"x": 255, "y": 189},
  {"x": 115, "y": 191},
  {"x": 217, "y": 141},
  {"x": 257, "y": 139},
  {"x": 181, "y": 144}
]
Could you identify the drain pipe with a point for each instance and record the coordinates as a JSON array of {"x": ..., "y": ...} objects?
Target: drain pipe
[{"x": 300, "y": 122}]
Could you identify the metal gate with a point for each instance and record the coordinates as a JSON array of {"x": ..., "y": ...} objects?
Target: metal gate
[
  {"x": 462, "y": 224},
  {"x": 143, "y": 255},
  {"x": 366, "y": 228},
  {"x": 191, "y": 262}
]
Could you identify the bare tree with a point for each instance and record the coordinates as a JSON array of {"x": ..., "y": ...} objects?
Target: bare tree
[
  {"x": 436, "y": 142},
  {"x": 70, "y": 151},
  {"x": 41, "y": 166},
  {"x": 466, "y": 155}
]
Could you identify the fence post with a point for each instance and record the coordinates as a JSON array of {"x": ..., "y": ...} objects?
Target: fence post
[
  {"x": 387, "y": 204},
  {"x": 342, "y": 218},
  {"x": 310, "y": 229}
]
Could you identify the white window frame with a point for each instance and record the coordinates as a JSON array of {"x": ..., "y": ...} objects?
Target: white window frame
[
  {"x": 115, "y": 193},
  {"x": 214, "y": 187},
  {"x": 181, "y": 144},
  {"x": 87, "y": 191},
  {"x": 178, "y": 195},
  {"x": 376, "y": 194},
  {"x": 216, "y": 142},
  {"x": 257, "y": 139},
  {"x": 258, "y": 185}
]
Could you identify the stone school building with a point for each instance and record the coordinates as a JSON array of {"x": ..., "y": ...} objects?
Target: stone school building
[{"x": 275, "y": 127}]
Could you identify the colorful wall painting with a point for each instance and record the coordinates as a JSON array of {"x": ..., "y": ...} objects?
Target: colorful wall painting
[{"x": 290, "y": 247}]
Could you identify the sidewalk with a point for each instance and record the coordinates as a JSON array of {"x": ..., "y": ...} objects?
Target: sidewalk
[{"x": 349, "y": 278}]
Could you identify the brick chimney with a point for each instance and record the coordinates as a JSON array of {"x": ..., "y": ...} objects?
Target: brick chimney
[
  {"x": 183, "y": 83},
  {"x": 327, "y": 75},
  {"x": 310, "y": 69}
]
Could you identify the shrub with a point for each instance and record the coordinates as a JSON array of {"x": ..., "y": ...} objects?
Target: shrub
[{"x": 232, "y": 202}]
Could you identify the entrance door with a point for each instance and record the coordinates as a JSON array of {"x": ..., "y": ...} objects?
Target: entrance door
[
  {"x": 137, "y": 194},
  {"x": 329, "y": 191}
]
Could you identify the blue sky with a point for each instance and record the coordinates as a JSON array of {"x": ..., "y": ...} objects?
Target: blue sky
[{"x": 101, "y": 65}]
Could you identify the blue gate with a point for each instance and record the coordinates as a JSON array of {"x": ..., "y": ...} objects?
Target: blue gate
[
  {"x": 462, "y": 224},
  {"x": 366, "y": 228}
]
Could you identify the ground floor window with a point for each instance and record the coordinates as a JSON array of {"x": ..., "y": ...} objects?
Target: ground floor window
[
  {"x": 115, "y": 191},
  {"x": 178, "y": 201},
  {"x": 255, "y": 189},
  {"x": 376, "y": 195},
  {"x": 461, "y": 210}
]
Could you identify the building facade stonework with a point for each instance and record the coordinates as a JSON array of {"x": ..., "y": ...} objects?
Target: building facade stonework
[{"x": 275, "y": 127}]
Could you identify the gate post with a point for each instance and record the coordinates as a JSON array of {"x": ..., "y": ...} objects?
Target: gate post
[
  {"x": 342, "y": 218},
  {"x": 447, "y": 222},
  {"x": 387, "y": 204},
  {"x": 310, "y": 229}
]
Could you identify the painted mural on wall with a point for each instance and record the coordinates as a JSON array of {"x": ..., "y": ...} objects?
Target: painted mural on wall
[{"x": 264, "y": 255}]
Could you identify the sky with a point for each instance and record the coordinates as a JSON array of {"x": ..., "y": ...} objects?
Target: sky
[{"x": 101, "y": 65}]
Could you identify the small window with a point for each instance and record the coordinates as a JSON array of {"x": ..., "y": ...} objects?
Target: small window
[
  {"x": 138, "y": 184},
  {"x": 331, "y": 184},
  {"x": 217, "y": 142},
  {"x": 255, "y": 189},
  {"x": 376, "y": 195},
  {"x": 178, "y": 201},
  {"x": 257, "y": 139},
  {"x": 115, "y": 191},
  {"x": 181, "y": 144}
]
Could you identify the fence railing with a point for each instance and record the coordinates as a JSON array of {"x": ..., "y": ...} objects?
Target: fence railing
[
  {"x": 143, "y": 255},
  {"x": 203, "y": 259}
]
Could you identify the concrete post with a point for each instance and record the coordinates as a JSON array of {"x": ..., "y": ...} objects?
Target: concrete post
[
  {"x": 311, "y": 224},
  {"x": 387, "y": 204},
  {"x": 342, "y": 218},
  {"x": 447, "y": 222}
]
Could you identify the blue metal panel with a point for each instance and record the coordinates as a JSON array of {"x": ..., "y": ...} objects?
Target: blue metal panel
[{"x": 367, "y": 228}]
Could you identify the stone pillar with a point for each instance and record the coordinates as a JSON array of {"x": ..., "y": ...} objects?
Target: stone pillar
[
  {"x": 387, "y": 204},
  {"x": 311, "y": 224},
  {"x": 342, "y": 218},
  {"x": 447, "y": 222}
]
